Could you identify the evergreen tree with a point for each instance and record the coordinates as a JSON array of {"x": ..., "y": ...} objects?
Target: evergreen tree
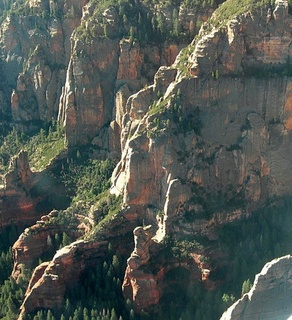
[
  {"x": 113, "y": 315},
  {"x": 246, "y": 286}
]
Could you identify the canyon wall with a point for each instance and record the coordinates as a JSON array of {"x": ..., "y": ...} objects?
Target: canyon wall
[
  {"x": 25, "y": 195},
  {"x": 207, "y": 143},
  {"x": 270, "y": 296},
  {"x": 217, "y": 138}
]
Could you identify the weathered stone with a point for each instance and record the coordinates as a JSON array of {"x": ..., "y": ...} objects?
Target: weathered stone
[
  {"x": 270, "y": 297},
  {"x": 24, "y": 193},
  {"x": 245, "y": 43},
  {"x": 140, "y": 286},
  {"x": 62, "y": 272},
  {"x": 38, "y": 239}
]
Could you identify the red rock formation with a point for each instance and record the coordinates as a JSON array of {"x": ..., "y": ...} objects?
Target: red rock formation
[
  {"x": 139, "y": 285},
  {"x": 235, "y": 145},
  {"x": 246, "y": 42},
  {"x": 16, "y": 204},
  {"x": 62, "y": 272},
  {"x": 37, "y": 240},
  {"x": 24, "y": 192}
]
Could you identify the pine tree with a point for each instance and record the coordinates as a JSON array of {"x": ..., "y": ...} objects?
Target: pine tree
[
  {"x": 246, "y": 286},
  {"x": 113, "y": 315},
  {"x": 132, "y": 315}
]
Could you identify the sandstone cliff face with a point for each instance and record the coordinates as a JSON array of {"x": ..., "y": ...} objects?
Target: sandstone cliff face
[
  {"x": 139, "y": 285},
  {"x": 36, "y": 52},
  {"x": 222, "y": 137},
  {"x": 59, "y": 63},
  {"x": 210, "y": 145},
  {"x": 16, "y": 205},
  {"x": 203, "y": 140},
  {"x": 270, "y": 296},
  {"x": 26, "y": 195},
  {"x": 239, "y": 154},
  {"x": 62, "y": 272},
  {"x": 39, "y": 239},
  {"x": 247, "y": 42}
]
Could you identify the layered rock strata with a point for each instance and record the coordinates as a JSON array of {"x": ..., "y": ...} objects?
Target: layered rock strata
[
  {"x": 59, "y": 63},
  {"x": 212, "y": 142},
  {"x": 38, "y": 240},
  {"x": 203, "y": 140}
]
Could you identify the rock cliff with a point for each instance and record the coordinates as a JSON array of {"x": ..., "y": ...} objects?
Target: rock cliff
[
  {"x": 202, "y": 146},
  {"x": 25, "y": 195},
  {"x": 36, "y": 51},
  {"x": 140, "y": 286},
  {"x": 62, "y": 272},
  {"x": 60, "y": 57},
  {"x": 39, "y": 240},
  {"x": 270, "y": 296},
  {"x": 207, "y": 142}
]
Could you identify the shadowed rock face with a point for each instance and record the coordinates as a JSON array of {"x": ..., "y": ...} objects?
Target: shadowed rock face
[
  {"x": 225, "y": 140},
  {"x": 24, "y": 198},
  {"x": 233, "y": 146},
  {"x": 139, "y": 285},
  {"x": 49, "y": 282},
  {"x": 52, "y": 70},
  {"x": 270, "y": 297}
]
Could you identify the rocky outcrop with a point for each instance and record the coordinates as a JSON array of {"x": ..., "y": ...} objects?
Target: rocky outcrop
[
  {"x": 61, "y": 273},
  {"x": 247, "y": 43},
  {"x": 36, "y": 50},
  {"x": 237, "y": 155},
  {"x": 16, "y": 204},
  {"x": 60, "y": 62},
  {"x": 26, "y": 196},
  {"x": 88, "y": 95},
  {"x": 270, "y": 296},
  {"x": 39, "y": 239},
  {"x": 139, "y": 285},
  {"x": 211, "y": 142},
  {"x": 204, "y": 145}
]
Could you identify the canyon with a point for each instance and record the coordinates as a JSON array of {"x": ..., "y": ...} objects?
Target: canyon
[{"x": 199, "y": 128}]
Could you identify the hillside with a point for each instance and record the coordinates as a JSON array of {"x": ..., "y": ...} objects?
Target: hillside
[{"x": 145, "y": 158}]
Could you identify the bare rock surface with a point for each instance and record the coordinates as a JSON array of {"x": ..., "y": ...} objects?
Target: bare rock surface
[
  {"x": 139, "y": 285},
  {"x": 62, "y": 272},
  {"x": 270, "y": 296}
]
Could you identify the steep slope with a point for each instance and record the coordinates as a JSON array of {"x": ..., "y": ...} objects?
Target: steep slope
[
  {"x": 215, "y": 146},
  {"x": 58, "y": 57},
  {"x": 270, "y": 295},
  {"x": 207, "y": 144}
]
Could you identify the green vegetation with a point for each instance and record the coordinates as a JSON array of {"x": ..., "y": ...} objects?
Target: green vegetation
[
  {"x": 9, "y": 6},
  {"x": 268, "y": 71},
  {"x": 11, "y": 296},
  {"x": 87, "y": 179},
  {"x": 42, "y": 147},
  {"x": 183, "y": 63},
  {"x": 98, "y": 296},
  {"x": 142, "y": 21},
  {"x": 171, "y": 114},
  {"x": 246, "y": 286},
  {"x": 232, "y": 8},
  {"x": 11, "y": 293},
  {"x": 105, "y": 210},
  {"x": 181, "y": 249},
  {"x": 245, "y": 246}
]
